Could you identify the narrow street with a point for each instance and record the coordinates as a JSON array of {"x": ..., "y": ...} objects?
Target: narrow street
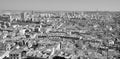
[{"x": 5, "y": 54}]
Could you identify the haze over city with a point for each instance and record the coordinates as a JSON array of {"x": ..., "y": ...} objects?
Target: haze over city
[{"x": 68, "y": 5}]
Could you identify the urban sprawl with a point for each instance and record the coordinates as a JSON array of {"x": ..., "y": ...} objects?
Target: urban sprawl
[{"x": 59, "y": 35}]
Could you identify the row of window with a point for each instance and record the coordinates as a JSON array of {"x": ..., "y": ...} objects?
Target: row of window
[
  {"x": 14, "y": 54},
  {"x": 14, "y": 57}
]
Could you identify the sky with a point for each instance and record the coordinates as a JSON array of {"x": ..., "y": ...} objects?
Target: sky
[{"x": 58, "y": 5}]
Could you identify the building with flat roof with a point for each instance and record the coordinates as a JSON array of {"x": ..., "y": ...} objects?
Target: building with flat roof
[{"x": 17, "y": 54}]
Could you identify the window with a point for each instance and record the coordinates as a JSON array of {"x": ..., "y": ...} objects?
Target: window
[
  {"x": 17, "y": 57},
  {"x": 14, "y": 57},
  {"x": 10, "y": 54},
  {"x": 14, "y": 54},
  {"x": 10, "y": 57},
  {"x": 17, "y": 54}
]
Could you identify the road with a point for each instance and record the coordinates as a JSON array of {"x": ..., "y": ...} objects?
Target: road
[{"x": 5, "y": 54}]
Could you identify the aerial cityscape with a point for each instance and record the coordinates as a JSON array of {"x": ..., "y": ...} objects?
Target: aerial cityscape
[{"x": 59, "y": 35}]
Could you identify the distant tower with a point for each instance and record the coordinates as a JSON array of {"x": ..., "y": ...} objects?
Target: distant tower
[
  {"x": 25, "y": 16},
  {"x": 22, "y": 16}
]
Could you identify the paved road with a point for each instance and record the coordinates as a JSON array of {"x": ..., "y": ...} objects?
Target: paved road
[{"x": 5, "y": 54}]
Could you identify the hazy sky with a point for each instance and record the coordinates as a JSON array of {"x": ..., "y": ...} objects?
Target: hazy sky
[{"x": 70, "y": 5}]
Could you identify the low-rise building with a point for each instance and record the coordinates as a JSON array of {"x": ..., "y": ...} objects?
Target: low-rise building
[{"x": 17, "y": 54}]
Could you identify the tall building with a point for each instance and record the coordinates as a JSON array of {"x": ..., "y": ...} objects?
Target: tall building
[{"x": 22, "y": 16}]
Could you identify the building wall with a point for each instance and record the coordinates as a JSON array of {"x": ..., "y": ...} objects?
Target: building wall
[{"x": 15, "y": 56}]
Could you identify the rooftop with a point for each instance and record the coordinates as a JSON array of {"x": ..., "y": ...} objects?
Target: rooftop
[{"x": 16, "y": 51}]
